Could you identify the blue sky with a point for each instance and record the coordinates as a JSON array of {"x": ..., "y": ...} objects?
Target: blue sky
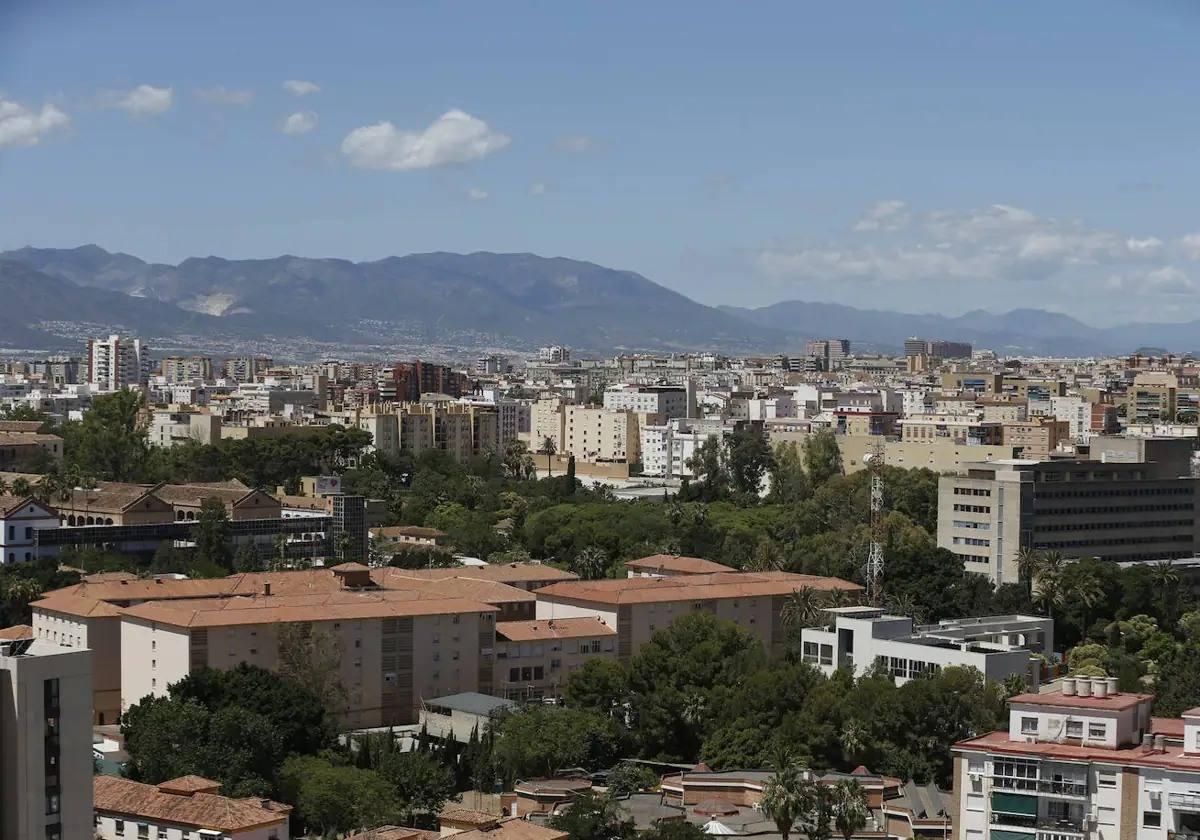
[{"x": 923, "y": 156}]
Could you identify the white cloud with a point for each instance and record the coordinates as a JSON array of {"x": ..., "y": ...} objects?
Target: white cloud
[
  {"x": 454, "y": 137},
  {"x": 477, "y": 194},
  {"x": 225, "y": 96},
  {"x": 537, "y": 188},
  {"x": 20, "y": 126},
  {"x": 574, "y": 143},
  {"x": 885, "y": 215},
  {"x": 142, "y": 100},
  {"x": 299, "y": 87},
  {"x": 1191, "y": 245},
  {"x": 300, "y": 122},
  {"x": 991, "y": 246}
]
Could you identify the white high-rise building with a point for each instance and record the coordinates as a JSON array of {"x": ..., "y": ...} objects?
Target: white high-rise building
[
  {"x": 45, "y": 739},
  {"x": 115, "y": 363}
]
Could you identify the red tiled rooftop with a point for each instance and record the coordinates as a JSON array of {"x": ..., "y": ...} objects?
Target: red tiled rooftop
[
  {"x": 1170, "y": 727},
  {"x": 1135, "y": 755},
  {"x": 555, "y": 628},
  {"x": 677, "y": 563}
]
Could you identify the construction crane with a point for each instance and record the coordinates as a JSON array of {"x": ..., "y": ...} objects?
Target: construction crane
[{"x": 873, "y": 570}]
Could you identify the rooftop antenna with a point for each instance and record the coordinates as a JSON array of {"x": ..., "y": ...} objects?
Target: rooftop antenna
[{"x": 873, "y": 570}]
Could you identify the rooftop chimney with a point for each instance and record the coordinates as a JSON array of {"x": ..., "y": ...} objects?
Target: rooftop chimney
[
  {"x": 1084, "y": 686},
  {"x": 1068, "y": 687}
]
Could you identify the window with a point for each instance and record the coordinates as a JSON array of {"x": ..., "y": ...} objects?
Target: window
[
  {"x": 1029, "y": 726},
  {"x": 1106, "y": 780},
  {"x": 1151, "y": 819},
  {"x": 52, "y": 803},
  {"x": 1074, "y": 729},
  {"x": 143, "y": 831},
  {"x": 119, "y": 826},
  {"x": 1097, "y": 730}
]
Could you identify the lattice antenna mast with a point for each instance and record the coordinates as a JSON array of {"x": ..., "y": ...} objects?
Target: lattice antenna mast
[{"x": 873, "y": 573}]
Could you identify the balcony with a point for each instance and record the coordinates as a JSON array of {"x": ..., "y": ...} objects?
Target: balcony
[
  {"x": 1184, "y": 801},
  {"x": 1063, "y": 787}
]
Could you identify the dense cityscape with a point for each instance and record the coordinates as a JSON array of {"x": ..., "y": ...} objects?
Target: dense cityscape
[
  {"x": 599, "y": 421},
  {"x": 641, "y": 594}
]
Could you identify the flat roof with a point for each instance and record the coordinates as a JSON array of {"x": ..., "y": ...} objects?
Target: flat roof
[
  {"x": 1136, "y": 755},
  {"x": 645, "y": 590},
  {"x": 555, "y": 628},
  {"x": 472, "y": 702},
  {"x": 1113, "y": 702}
]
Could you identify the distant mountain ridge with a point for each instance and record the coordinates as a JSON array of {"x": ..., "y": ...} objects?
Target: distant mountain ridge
[{"x": 476, "y": 300}]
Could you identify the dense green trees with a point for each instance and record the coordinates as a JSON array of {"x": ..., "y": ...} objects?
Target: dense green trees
[
  {"x": 594, "y": 816},
  {"x": 540, "y": 740}
]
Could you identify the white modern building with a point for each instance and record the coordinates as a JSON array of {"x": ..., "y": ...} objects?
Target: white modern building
[
  {"x": 997, "y": 646},
  {"x": 1087, "y": 762},
  {"x": 45, "y": 741},
  {"x": 667, "y": 448},
  {"x": 115, "y": 363}
]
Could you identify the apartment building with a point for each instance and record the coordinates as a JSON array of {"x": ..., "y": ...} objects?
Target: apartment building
[
  {"x": 534, "y": 659},
  {"x": 639, "y": 606},
  {"x": 1085, "y": 761},
  {"x": 667, "y": 400},
  {"x": 862, "y": 637},
  {"x": 976, "y": 381},
  {"x": 174, "y": 426},
  {"x": 546, "y": 423},
  {"x": 187, "y": 808},
  {"x": 20, "y": 516},
  {"x": 395, "y": 647},
  {"x": 1082, "y": 508},
  {"x": 246, "y": 368},
  {"x": 667, "y": 448},
  {"x": 28, "y": 450},
  {"x": 959, "y": 428},
  {"x": 600, "y": 434},
  {"x": 115, "y": 363},
  {"x": 185, "y": 370},
  {"x": 1036, "y": 437},
  {"x": 45, "y": 740},
  {"x": 1152, "y": 397},
  {"x": 90, "y": 614}
]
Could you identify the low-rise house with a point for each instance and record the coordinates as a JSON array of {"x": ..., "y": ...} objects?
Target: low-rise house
[
  {"x": 457, "y": 715},
  {"x": 20, "y": 516},
  {"x": 187, "y": 808},
  {"x": 409, "y": 535}
]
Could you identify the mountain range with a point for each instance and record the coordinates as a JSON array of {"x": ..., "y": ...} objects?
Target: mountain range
[{"x": 471, "y": 301}]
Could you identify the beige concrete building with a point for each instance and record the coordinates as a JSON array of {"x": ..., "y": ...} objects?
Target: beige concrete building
[
  {"x": 600, "y": 434},
  {"x": 395, "y": 647},
  {"x": 45, "y": 741},
  {"x": 1117, "y": 511},
  {"x": 546, "y": 421},
  {"x": 939, "y": 455},
  {"x": 90, "y": 614},
  {"x": 637, "y": 607},
  {"x": 960, "y": 428},
  {"x": 534, "y": 659},
  {"x": 1152, "y": 397},
  {"x": 1037, "y": 437}
]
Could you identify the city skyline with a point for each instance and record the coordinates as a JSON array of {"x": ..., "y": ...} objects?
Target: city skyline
[{"x": 926, "y": 160}]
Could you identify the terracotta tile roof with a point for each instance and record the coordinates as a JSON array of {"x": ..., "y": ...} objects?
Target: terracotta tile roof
[
  {"x": 506, "y": 573},
  {"x": 9, "y": 504},
  {"x": 196, "y": 494},
  {"x": 272, "y": 609},
  {"x": 350, "y": 567},
  {"x": 190, "y": 784},
  {"x": 17, "y": 631},
  {"x": 20, "y": 425},
  {"x": 114, "y": 795},
  {"x": 106, "y": 497},
  {"x": 678, "y": 564},
  {"x": 513, "y": 828},
  {"x": 76, "y": 605},
  {"x": 11, "y": 438},
  {"x": 107, "y": 577},
  {"x": 465, "y": 584},
  {"x": 467, "y": 816},
  {"x": 395, "y": 832},
  {"x": 1191, "y": 713},
  {"x": 1134, "y": 755},
  {"x": 646, "y": 590},
  {"x": 557, "y": 628},
  {"x": 1113, "y": 702}
]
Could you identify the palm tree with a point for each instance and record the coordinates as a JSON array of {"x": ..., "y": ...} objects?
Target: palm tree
[
  {"x": 817, "y": 811},
  {"x": 22, "y": 487},
  {"x": 22, "y": 590},
  {"x": 805, "y": 607},
  {"x": 591, "y": 563},
  {"x": 783, "y": 797},
  {"x": 3, "y": 486},
  {"x": 1048, "y": 592},
  {"x": 1086, "y": 589},
  {"x": 1029, "y": 563},
  {"x": 850, "y": 810},
  {"x": 1165, "y": 579},
  {"x": 548, "y": 449},
  {"x": 905, "y": 604},
  {"x": 1053, "y": 563}
]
